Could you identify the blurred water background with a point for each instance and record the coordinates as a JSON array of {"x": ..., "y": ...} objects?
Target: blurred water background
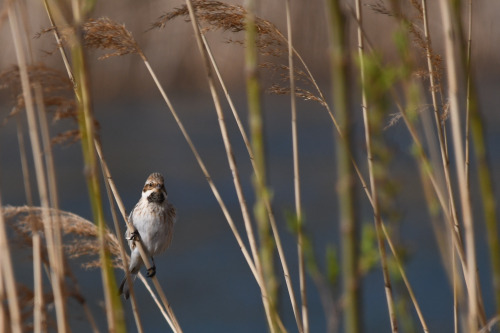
[{"x": 204, "y": 274}]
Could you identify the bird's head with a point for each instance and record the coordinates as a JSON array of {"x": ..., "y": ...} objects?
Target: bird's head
[{"x": 154, "y": 188}]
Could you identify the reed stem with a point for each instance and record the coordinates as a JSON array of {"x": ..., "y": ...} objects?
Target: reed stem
[
  {"x": 449, "y": 29},
  {"x": 52, "y": 232},
  {"x": 296, "y": 170},
  {"x": 339, "y": 56}
]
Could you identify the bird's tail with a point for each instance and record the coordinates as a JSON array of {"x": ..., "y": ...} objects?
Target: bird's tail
[{"x": 124, "y": 287}]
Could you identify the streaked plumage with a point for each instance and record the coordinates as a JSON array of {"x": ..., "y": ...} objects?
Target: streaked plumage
[{"x": 153, "y": 217}]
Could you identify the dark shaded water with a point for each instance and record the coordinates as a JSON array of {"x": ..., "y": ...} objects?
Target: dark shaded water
[{"x": 204, "y": 274}]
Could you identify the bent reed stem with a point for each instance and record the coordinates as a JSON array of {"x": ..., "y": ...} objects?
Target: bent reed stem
[{"x": 230, "y": 157}]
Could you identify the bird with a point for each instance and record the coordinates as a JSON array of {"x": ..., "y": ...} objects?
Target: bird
[{"x": 153, "y": 218}]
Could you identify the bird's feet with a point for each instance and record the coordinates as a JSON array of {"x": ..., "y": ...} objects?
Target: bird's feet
[
  {"x": 151, "y": 271},
  {"x": 133, "y": 236}
]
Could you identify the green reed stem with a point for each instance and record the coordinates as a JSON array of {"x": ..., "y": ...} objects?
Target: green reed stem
[
  {"x": 257, "y": 140},
  {"x": 114, "y": 310},
  {"x": 339, "y": 58}
]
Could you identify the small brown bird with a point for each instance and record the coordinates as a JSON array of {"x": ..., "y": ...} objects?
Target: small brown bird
[{"x": 153, "y": 217}]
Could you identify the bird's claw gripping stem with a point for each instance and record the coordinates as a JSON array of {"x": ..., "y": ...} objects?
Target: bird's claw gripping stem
[
  {"x": 134, "y": 236},
  {"x": 151, "y": 271}
]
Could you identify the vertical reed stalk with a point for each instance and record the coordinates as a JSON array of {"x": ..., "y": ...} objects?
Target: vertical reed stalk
[
  {"x": 475, "y": 125},
  {"x": 38, "y": 300},
  {"x": 267, "y": 202},
  {"x": 339, "y": 56},
  {"x": 49, "y": 164},
  {"x": 437, "y": 119},
  {"x": 203, "y": 168},
  {"x": 296, "y": 170},
  {"x": 52, "y": 233},
  {"x": 373, "y": 182},
  {"x": 444, "y": 153},
  {"x": 257, "y": 138},
  {"x": 451, "y": 33},
  {"x": 8, "y": 279},
  {"x": 119, "y": 237},
  {"x": 171, "y": 319},
  {"x": 230, "y": 156},
  {"x": 114, "y": 310}
]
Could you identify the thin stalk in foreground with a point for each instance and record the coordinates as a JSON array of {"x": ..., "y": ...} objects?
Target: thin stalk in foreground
[
  {"x": 171, "y": 319},
  {"x": 203, "y": 168},
  {"x": 449, "y": 30},
  {"x": 114, "y": 309},
  {"x": 36, "y": 239},
  {"x": 52, "y": 234},
  {"x": 478, "y": 131},
  {"x": 296, "y": 171},
  {"x": 437, "y": 119},
  {"x": 119, "y": 237},
  {"x": 257, "y": 139},
  {"x": 39, "y": 315},
  {"x": 231, "y": 160},
  {"x": 8, "y": 279},
  {"x": 373, "y": 183},
  {"x": 270, "y": 213},
  {"x": 339, "y": 59}
]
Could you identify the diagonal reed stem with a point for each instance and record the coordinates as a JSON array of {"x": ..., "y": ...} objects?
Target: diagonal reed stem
[
  {"x": 52, "y": 231},
  {"x": 449, "y": 30},
  {"x": 230, "y": 156},
  {"x": 203, "y": 168},
  {"x": 119, "y": 237},
  {"x": 373, "y": 182},
  {"x": 171, "y": 319},
  {"x": 296, "y": 170},
  {"x": 8, "y": 280}
]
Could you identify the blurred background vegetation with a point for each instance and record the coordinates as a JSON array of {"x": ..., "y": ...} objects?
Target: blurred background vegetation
[{"x": 204, "y": 275}]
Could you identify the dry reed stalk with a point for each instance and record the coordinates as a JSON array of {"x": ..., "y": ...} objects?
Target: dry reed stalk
[
  {"x": 201, "y": 164},
  {"x": 443, "y": 150},
  {"x": 230, "y": 156},
  {"x": 240, "y": 126},
  {"x": 437, "y": 117},
  {"x": 454, "y": 226},
  {"x": 267, "y": 250},
  {"x": 296, "y": 171},
  {"x": 153, "y": 296},
  {"x": 119, "y": 237},
  {"x": 455, "y": 289},
  {"x": 171, "y": 319},
  {"x": 59, "y": 42},
  {"x": 86, "y": 125},
  {"x": 373, "y": 184},
  {"x": 474, "y": 126},
  {"x": 468, "y": 93},
  {"x": 84, "y": 243},
  {"x": 161, "y": 24},
  {"x": 455, "y": 230},
  {"x": 456, "y": 237},
  {"x": 104, "y": 33},
  {"x": 270, "y": 40},
  {"x": 8, "y": 279},
  {"x": 203, "y": 168},
  {"x": 52, "y": 232},
  {"x": 38, "y": 301},
  {"x": 451, "y": 56},
  {"x": 227, "y": 22}
]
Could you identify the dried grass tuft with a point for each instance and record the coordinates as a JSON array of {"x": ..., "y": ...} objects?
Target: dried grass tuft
[
  {"x": 103, "y": 33},
  {"x": 218, "y": 15},
  {"x": 57, "y": 91},
  {"x": 81, "y": 239}
]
